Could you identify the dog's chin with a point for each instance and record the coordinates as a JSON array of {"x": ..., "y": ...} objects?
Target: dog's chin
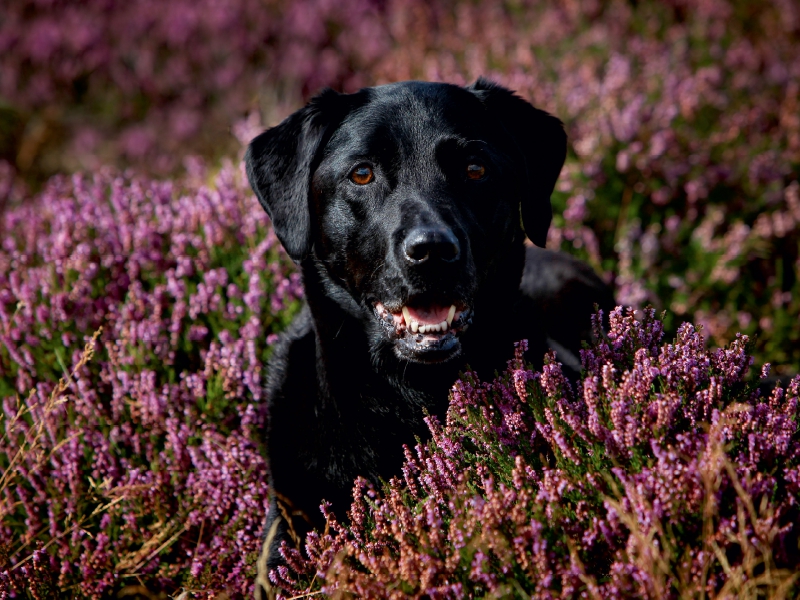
[
  {"x": 429, "y": 349},
  {"x": 424, "y": 334}
]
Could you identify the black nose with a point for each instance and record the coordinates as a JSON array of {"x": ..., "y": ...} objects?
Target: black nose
[{"x": 431, "y": 243}]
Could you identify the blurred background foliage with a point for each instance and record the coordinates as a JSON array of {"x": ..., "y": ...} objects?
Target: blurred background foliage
[{"x": 681, "y": 186}]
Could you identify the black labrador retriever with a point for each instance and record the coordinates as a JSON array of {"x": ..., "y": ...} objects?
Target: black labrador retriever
[{"x": 406, "y": 207}]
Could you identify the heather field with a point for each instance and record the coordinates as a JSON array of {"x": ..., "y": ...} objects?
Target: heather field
[{"x": 141, "y": 288}]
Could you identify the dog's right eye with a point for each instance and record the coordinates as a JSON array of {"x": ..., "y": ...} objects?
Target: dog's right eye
[
  {"x": 475, "y": 171},
  {"x": 362, "y": 175}
]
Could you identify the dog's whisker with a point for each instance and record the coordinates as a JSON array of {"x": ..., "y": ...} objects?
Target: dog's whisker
[{"x": 339, "y": 330}]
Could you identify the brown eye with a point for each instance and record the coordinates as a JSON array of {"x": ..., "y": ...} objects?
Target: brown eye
[
  {"x": 476, "y": 171},
  {"x": 362, "y": 175}
]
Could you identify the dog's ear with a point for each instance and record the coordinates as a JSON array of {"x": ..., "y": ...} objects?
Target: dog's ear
[
  {"x": 280, "y": 163},
  {"x": 543, "y": 143}
]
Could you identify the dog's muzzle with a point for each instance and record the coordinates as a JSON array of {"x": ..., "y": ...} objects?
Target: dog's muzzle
[{"x": 425, "y": 333}]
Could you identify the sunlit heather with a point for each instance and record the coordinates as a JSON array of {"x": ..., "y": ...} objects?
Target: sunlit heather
[{"x": 661, "y": 476}]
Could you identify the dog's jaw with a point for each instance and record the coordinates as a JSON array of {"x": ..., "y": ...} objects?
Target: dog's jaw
[{"x": 424, "y": 334}]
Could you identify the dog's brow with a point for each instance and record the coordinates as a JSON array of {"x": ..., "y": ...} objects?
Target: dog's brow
[
  {"x": 464, "y": 143},
  {"x": 457, "y": 141}
]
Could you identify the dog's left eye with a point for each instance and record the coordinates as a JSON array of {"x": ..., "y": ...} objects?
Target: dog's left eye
[
  {"x": 475, "y": 170},
  {"x": 362, "y": 175}
]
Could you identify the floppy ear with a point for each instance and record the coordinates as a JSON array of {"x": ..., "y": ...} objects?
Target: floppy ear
[
  {"x": 280, "y": 163},
  {"x": 542, "y": 141}
]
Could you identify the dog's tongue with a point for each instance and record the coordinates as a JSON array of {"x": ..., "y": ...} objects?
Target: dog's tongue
[{"x": 428, "y": 314}]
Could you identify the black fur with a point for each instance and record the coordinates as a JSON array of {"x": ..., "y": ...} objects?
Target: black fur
[{"x": 349, "y": 383}]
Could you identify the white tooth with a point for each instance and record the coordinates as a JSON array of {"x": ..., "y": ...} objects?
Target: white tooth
[
  {"x": 423, "y": 328},
  {"x": 450, "y": 314},
  {"x": 414, "y": 326},
  {"x": 406, "y": 315},
  {"x": 443, "y": 326}
]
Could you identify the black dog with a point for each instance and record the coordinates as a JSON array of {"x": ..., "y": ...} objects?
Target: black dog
[{"x": 404, "y": 207}]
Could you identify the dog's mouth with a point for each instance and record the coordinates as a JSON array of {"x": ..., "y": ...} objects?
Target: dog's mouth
[{"x": 425, "y": 331}]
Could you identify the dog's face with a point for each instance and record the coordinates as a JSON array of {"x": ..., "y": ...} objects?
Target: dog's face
[{"x": 406, "y": 197}]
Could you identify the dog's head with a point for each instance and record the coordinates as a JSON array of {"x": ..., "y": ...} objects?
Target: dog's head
[{"x": 407, "y": 197}]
